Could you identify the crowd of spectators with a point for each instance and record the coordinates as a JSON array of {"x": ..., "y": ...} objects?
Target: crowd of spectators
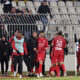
[{"x": 19, "y": 17}]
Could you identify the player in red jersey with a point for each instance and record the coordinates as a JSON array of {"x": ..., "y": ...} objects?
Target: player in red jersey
[
  {"x": 52, "y": 70},
  {"x": 78, "y": 57},
  {"x": 19, "y": 47},
  {"x": 42, "y": 47},
  {"x": 10, "y": 40},
  {"x": 59, "y": 43}
]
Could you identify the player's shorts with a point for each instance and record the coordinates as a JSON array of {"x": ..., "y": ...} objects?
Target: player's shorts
[
  {"x": 59, "y": 56},
  {"x": 41, "y": 56}
]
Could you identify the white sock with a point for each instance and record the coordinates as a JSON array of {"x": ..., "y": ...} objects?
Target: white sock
[
  {"x": 15, "y": 74},
  {"x": 20, "y": 76}
]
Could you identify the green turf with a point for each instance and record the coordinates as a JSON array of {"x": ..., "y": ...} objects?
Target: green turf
[{"x": 54, "y": 78}]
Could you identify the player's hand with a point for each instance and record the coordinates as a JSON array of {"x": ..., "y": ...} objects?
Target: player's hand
[
  {"x": 37, "y": 51},
  {"x": 46, "y": 48},
  {"x": 18, "y": 52},
  {"x": 4, "y": 53}
]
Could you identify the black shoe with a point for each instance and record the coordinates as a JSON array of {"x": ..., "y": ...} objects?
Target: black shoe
[
  {"x": 29, "y": 75},
  {"x": 6, "y": 74},
  {"x": 33, "y": 75},
  {"x": 2, "y": 75}
]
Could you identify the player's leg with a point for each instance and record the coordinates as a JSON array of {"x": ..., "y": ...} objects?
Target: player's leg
[
  {"x": 51, "y": 70},
  {"x": 40, "y": 68},
  {"x": 56, "y": 60},
  {"x": 78, "y": 64},
  {"x": 7, "y": 65},
  {"x": 37, "y": 68},
  {"x": 63, "y": 67},
  {"x": 14, "y": 64},
  {"x": 61, "y": 62},
  {"x": 12, "y": 68},
  {"x": 25, "y": 59},
  {"x": 41, "y": 60},
  {"x": 78, "y": 68},
  {"x": 2, "y": 67},
  {"x": 20, "y": 60},
  {"x": 57, "y": 68},
  {"x": 52, "y": 65}
]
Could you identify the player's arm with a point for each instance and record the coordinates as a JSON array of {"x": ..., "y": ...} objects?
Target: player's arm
[
  {"x": 25, "y": 49},
  {"x": 11, "y": 39},
  {"x": 52, "y": 44},
  {"x": 13, "y": 46},
  {"x": 65, "y": 45},
  {"x": 47, "y": 46},
  {"x": 34, "y": 46},
  {"x": 65, "y": 48}
]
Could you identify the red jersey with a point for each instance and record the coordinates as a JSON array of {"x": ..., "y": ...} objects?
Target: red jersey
[
  {"x": 42, "y": 44},
  {"x": 59, "y": 43}
]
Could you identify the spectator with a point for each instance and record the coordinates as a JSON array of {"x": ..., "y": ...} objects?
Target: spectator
[
  {"x": 0, "y": 31},
  {"x": 31, "y": 21},
  {"x": 31, "y": 47},
  {"x": 6, "y": 51},
  {"x": 7, "y": 5},
  {"x": 44, "y": 9}
]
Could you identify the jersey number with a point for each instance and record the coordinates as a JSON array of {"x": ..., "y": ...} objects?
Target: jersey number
[{"x": 59, "y": 43}]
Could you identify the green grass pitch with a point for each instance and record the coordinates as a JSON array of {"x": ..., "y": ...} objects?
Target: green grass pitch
[{"x": 44, "y": 78}]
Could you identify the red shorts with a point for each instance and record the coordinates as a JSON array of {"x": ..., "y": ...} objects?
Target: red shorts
[
  {"x": 78, "y": 59},
  {"x": 59, "y": 56},
  {"x": 41, "y": 56}
]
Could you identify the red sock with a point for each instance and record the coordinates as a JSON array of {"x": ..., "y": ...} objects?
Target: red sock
[
  {"x": 63, "y": 67},
  {"x": 57, "y": 70},
  {"x": 12, "y": 68},
  {"x": 36, "y": 70},
  {"x": 32, "y": 70},
  {"x": 40, "y": 68},
  {"x": 78, "y": 68}
]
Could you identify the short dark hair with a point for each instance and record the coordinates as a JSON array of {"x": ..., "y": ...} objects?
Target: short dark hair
[
  {"x": 19, "y": 31},
  {"x": 41, "y": 32},
  {"x": 60, "y": 33},
  {"x": 44, "y": 1}
]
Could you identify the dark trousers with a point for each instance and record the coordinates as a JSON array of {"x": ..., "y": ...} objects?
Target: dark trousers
[
  {"x": 18, "y": 60},
  {"x": 6, "y": 61},
  {"x": 25, "y": 58},
  {"x": 30, "y": 61}
]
